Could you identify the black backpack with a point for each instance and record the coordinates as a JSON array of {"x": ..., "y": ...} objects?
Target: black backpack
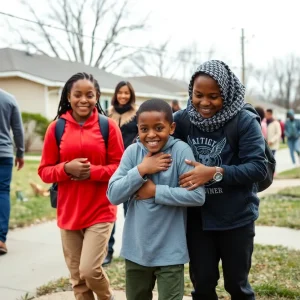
[
  {"x": 232, "y": 136},
  {"x": 59, "y": 131}
]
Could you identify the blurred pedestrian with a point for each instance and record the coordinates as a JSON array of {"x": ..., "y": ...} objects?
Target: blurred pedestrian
[
  {"x": 292, "y": 133},
  {"x": 282, "y": 131},
  {"x": 175, "y": 105},
  {"x": 123, "y": 112},
  {"x": 10, "y": 118},
  {"x": 273, "y": 131}
]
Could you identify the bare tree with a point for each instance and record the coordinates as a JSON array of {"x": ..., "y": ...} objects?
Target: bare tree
[
  {"x": 286, "y": 75},
  {"x": 156, "y": 61},
  {"x": 161, "y": 61},
  {"x": 90, "y": 31}
]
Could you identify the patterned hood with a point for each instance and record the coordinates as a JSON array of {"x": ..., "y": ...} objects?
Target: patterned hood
[{"x": 232, "y": 92}]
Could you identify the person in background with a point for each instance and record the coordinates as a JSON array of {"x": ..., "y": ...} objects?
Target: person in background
[
  {"x": 292, "y": 133},
  {"x": 273, "y": 131},
  {"x": 282, "y": 130},
  {"x": 82, "y": 166},
  {"x": 10, "y": 118},
  {"x": 154, "y": 236},
  {"x": 224, "y": 227},
  {"x": 123, "y": 112},
  {"x": 261, "y": 113},
  {"x": 175, "y": 105}
]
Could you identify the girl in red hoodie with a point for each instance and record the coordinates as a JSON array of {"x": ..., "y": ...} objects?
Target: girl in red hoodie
[{"x": 82, "y": 167}]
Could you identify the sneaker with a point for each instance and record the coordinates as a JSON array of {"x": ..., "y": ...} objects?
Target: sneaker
[
  {"x": 107, "y": 259},
  {"x": 3, "y": 248}
]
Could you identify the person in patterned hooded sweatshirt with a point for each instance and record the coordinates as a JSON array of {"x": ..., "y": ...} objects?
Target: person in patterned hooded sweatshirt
[{"x": 223, "y": 228}]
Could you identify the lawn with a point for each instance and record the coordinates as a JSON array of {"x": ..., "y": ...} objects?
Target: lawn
[
  {"x": 281, "y": 209},
  {"x": 289, "y": 174},
  {"x": 283, "y": 145},
  {"x": 275, "y": 274},
  {"x": 36, "y": 209}
]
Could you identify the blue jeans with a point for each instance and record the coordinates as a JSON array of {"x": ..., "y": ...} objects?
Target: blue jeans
[
  {"x": 6, "y": 165},
  {"x": 294, "y": 145}
]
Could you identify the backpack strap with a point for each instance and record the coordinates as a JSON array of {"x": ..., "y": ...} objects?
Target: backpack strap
[
  {"x": 103, "y": 124},
  {"x": 104, "y": 128},
  {"x": 59, "y": 130}
]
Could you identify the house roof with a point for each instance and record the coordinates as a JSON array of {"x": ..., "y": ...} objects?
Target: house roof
[
  {"x": 171, "y": 85},
  {"x": 53, "y": 71}
]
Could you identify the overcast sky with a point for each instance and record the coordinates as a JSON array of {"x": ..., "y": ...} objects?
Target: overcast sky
[{"x": 271, "y": 27}]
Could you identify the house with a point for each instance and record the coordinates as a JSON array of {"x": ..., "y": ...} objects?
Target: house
[
  {"x": 173, "y": 86},
  {"x": 37, "y": 80}
]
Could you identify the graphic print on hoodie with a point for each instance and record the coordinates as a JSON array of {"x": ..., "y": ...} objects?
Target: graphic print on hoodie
[{"x": 207, "y": 151}]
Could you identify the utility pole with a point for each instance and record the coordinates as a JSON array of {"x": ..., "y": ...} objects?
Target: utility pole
[{"x": 243, "y": 55}]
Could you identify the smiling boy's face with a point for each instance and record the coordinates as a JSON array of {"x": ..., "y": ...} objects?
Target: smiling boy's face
[{"x": 154, "y": 130}]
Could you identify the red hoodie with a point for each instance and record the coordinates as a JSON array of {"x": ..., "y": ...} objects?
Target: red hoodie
[{"x": 81, "y": 204}]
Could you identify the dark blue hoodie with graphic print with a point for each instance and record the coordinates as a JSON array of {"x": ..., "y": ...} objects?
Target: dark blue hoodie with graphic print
[{"x": 233, "y": 202}]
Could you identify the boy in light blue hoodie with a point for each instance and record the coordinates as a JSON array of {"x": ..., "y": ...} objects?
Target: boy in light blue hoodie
[{"x": 154, "y": 236}]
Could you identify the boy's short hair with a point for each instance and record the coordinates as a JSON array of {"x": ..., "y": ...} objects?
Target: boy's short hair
[{"x": 156, "y": 105}]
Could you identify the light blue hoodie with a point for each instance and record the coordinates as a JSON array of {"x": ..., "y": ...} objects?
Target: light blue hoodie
[{"x": 155, "y": 229}]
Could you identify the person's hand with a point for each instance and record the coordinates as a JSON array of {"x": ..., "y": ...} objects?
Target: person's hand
[
  {"x": 19, "y": 163},
  {"x": 154, "y": 163},
  {"x": 146, "y": 191},
  {"x": 196, "y": 177},
  {"x": 270, "y": 143},
  {"x": 78, "y": 168}
]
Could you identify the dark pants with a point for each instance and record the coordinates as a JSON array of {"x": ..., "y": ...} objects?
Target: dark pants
[
  {"x": 140, "y": 281},
  {"x": 111, "y": 241},
  {"x": 206, "y": 248},
  {"x": 6, "y": 165}
]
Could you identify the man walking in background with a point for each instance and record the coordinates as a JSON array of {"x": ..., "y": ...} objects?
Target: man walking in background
[
  {"x": 10, "y": 118},
  {"x": 273, "y": 131},
  {"x": 292, "y": 133}
]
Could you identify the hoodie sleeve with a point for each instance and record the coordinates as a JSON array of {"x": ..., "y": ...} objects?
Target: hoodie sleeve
[
  {"x": 177, "y": 196},
  {"x": 49, "y": 170},
  {"x": 114, "y": 153},
  {"x": 252, "y": 167},
  {"x": 126, "y": 180}
]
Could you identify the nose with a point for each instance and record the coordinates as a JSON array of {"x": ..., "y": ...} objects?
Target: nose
[
  {"x": 205, "y": 101},
  {"x": 151, "y": 134}
]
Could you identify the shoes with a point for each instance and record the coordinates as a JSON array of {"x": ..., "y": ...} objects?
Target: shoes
[
  {"x": 3, "y": 249},
  {"x": 107, "y": 259}
]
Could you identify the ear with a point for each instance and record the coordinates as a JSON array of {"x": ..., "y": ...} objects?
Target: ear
[{"x": 172, "y": 129}]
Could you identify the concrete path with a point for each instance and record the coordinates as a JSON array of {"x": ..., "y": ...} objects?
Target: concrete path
[{"x": 35, "y": 256}]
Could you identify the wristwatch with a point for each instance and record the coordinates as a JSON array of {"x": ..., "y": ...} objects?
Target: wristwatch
[{"x": 218, "y": 176}]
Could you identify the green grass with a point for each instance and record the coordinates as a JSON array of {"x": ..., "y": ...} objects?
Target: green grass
[
  {"x": 275, "y": 274},
  {"x": 281, "y": 209},
  {"x": 283, "y": 146},
  {"x": 36, "y": 209},
  {"x": 33, "y": 153},
  {"x": 289, "y": 174}
]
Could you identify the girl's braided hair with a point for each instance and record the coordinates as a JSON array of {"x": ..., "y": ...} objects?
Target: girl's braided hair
[{"x": 64, "y": 104}]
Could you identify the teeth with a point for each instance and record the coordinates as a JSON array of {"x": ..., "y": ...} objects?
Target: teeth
[{"x": 153, "y": 143}]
